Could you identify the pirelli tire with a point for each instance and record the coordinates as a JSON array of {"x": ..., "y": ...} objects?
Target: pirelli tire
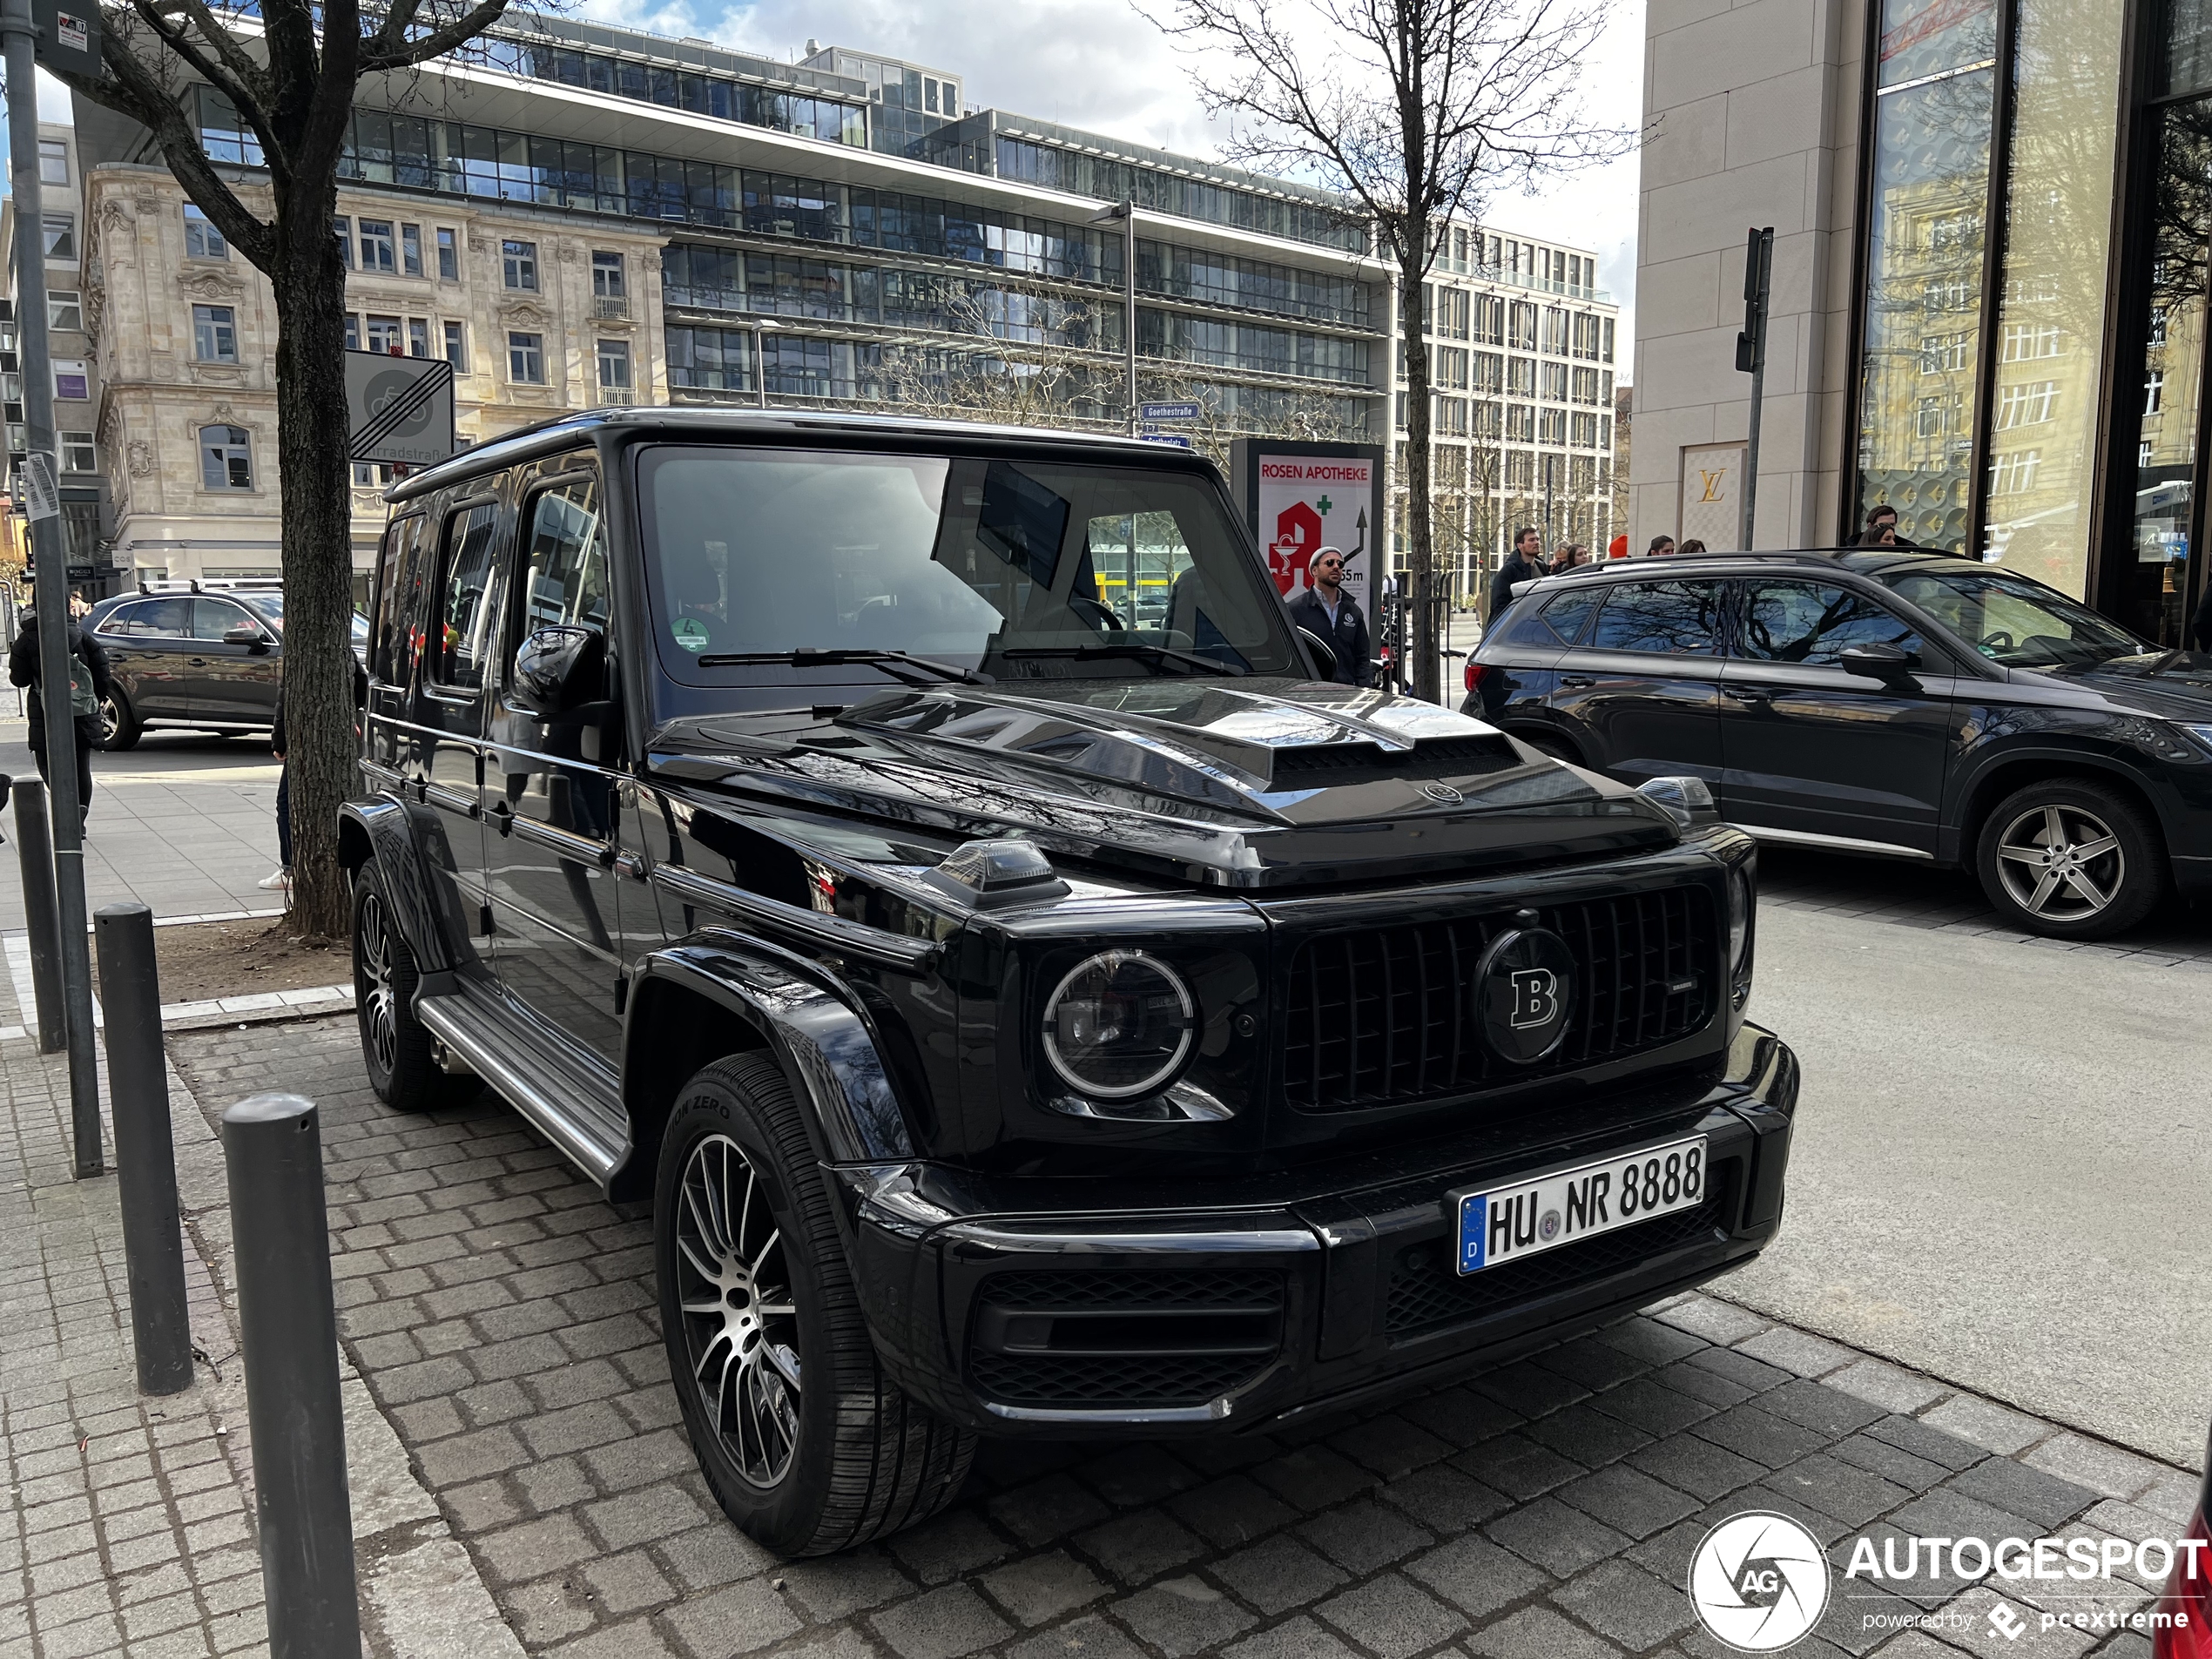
[{"x": 808, "y": 1446}]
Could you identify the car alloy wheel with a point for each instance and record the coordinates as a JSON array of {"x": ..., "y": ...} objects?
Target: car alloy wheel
[
  {"x": 741, "y": 1325},
  {"x": 379, "y": 1020},
  {"x": 2060, "y": 863}
]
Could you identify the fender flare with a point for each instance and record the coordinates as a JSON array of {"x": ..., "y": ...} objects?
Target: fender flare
[
  {"x": 1969, "y": 782},
  {"x": 386, "y": 830},
  {"x": 819, "y": 1037}
]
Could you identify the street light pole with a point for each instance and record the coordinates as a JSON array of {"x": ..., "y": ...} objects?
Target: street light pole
[
  {"x": 1125, "y": 212},
  {"x": 51, "y": 589}
]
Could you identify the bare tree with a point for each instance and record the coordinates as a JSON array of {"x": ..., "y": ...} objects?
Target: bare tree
[
  {"x": 291, "y": 74},
  {"x": 1414, "y": 110}
]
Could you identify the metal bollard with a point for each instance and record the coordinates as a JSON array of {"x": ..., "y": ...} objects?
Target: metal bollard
[
  {"x": 288, "y": 1328},
  {"x": 35, "y": 847},
  {"x": 145, "y": 1159}
]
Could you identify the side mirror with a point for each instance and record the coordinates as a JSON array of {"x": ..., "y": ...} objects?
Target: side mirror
[
  {"x": 1881, "y": 662},
  {"x": 247, "y": 635},
  {"x": 558, "y": 667},
  {"x": 1321, "y": 653}
]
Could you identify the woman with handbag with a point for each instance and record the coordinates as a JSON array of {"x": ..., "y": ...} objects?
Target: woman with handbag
[{"x": 88, "y": 688}]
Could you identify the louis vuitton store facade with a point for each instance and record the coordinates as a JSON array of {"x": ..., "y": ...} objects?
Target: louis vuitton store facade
[{"x": 1992, "y": 220}]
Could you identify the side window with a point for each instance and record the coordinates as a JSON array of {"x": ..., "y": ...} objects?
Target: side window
[
  {"x": 467, "y": 608},
  {"x": 213, "y": 619},
  {"x": 163, "y": 618},
  {"x": 1678, "y": 618},
  {"x": 565, "y": 561},
  {"x": 1808, "y": 622},
  {"x": 391, "y": 654},
  {"x": 1559, "y": 622},
  {"x": 124, "y": 620}
]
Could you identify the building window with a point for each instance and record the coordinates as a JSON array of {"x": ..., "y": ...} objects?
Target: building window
[
  {"x": 353, "y": 332},
  {"x": 2025, "y": 342},
  {"x": 2013, "y": 474},
  {"x": 79, "y": 453},
  {"x": 526, "y": 359},
  {"x": 606, "y": 276},
  {"x": 72, "y": 379},
  {"x": 60, "y": 238},
  {"x": 65, "y": 310},
  {"x": 518, "y": 262},
  {"x": 614, "y": 366},
  {"x": 202, "y": 239},
  {"x": 2154, "y": 393},
  {"x": 214, "y": 335},
  {"x": 1944, "y": 354},
  {"x": 342, "y": 228},
  {"x": 418, "y": 337},
  {"x": 448, "y": 254},
  {"x": 457, "y": 346},
  {"x": 53, "y": 162},
  {"x": 1555, "y": 383},
  {"x": 225, "y": 458},
  {"x": 410, "y": 250},
  {"x": 2027, "y": 405},
  {"x": 1929, "y": 418},
  {"x": 378, "y": 253},
  {"x": 384, "y": 336}
]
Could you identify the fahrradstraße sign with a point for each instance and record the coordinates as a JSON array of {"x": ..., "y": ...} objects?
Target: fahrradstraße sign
[{"x": 400, "y": 408}]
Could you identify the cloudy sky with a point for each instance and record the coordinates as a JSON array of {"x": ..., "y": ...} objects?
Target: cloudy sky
[{"x": 1096, "y": 64}]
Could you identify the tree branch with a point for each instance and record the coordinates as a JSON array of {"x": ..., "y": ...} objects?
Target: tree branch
[{"x": 434, "y": 43}]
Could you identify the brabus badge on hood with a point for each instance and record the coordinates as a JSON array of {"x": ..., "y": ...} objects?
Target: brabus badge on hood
[{"x": 1442, "y": 794}]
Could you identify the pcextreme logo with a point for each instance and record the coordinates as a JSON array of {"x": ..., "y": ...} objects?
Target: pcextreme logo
[{"x": 1758, "y": 1581}]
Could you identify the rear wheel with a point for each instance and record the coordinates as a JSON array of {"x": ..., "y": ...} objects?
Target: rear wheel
[
  {"x": 807, "y": 1445},
  {"x": 119, "y": 728},
  {"x": 398, "y": 1048},
  {"x": 2071, "y": 859}
]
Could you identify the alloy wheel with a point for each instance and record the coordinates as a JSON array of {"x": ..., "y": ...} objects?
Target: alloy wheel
[
  {"x": 741, "y": 1322},
  {"x": 372, "y": 951},
  {"x": 2060, "y": 863},
  {"x": 110, "y": 719}
]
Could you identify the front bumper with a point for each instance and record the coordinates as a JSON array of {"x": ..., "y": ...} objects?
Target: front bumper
[{"x": 1335, "y": 1289}]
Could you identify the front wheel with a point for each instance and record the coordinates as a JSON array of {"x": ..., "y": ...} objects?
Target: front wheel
[
  {"x": 808, "y": 1447},
  {"x": 119, "y": 728},
  {"x": 2071, "y": 859}
]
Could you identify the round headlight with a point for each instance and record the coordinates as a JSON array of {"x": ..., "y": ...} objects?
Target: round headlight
[{"x": 1118, "y": 1025}]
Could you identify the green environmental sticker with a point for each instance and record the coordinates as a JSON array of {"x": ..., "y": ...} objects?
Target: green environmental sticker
[{"x": 691, "y": 634}]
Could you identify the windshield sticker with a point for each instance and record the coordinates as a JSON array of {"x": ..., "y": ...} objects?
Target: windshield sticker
[{"x": 691, "y": 634}]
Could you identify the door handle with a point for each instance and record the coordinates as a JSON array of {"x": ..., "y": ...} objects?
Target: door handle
[
  {"x": 502, "y": 818},
  {"x": 1576, "y": 681},
  {"x": 1748, "y": 693},
  {"x": 199, "y": 662}
]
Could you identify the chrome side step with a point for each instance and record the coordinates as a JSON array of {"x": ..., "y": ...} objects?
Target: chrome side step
[
  {"x": 474, "y": 1037},
  {"x": 1830, "y": 843}
]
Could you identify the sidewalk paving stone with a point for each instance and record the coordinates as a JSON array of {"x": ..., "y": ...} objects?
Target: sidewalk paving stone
[{"x": 500, "y": 1319}]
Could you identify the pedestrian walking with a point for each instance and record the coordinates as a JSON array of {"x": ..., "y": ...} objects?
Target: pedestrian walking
[
  {"x": 1325, "y": 609},
  {"x": 1572, "y": 556},
  {"x": 88, "y": 689},
  {"x": 1690, "y": 549},
  {"x": 1524, "y": 563},
  {"x": 1880, "y": 534},
  {"x": 1662, "y": 545},
  {"x": 1882, "y": 516}
]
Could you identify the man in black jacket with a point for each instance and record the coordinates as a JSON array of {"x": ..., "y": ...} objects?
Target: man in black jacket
[
  {"x": 89, "y": 667},
  {"x": 1522, "y": 564},
  {"x": 1327, "y": 610}
]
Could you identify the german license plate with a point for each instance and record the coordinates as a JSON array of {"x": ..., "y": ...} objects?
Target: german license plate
[{"x": 1507, "y": 1223}]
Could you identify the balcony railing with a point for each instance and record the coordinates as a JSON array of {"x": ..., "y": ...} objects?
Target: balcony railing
[{"x": 610, "y": 307}]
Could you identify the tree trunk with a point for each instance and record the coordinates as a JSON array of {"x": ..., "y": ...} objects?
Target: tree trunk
[
  {"x": 1420, "y": 548},
  {"x": 322, "y": 748}
]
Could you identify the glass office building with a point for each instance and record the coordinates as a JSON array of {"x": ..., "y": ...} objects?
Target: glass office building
[{"x": 1991, "y": 311}]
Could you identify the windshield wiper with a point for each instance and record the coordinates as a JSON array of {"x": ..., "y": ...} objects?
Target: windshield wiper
[
  {"x": 1127, "y": 648},
  {"x": 889, "y": 661}
]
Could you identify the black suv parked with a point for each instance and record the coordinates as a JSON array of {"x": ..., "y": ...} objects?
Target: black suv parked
[
  {"x": 1887, "y": 702},
  {"x": 206, "y": 656},
  {"x": 1023, "y": 1015}
]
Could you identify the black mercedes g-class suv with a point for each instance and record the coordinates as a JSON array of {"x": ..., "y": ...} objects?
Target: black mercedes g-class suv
[{"x": 1027, "y": 1010}]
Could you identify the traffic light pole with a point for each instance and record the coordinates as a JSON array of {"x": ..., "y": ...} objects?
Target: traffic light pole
[
  {"x": 1750, "y": 358},
  {"x": 51, "y": 583}
]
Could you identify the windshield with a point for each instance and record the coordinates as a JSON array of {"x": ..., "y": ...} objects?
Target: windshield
[
  {"x": 269, "y": 603},
  {"x": 1017, "y": 569},
  {"x": 2013, "y": 620}
]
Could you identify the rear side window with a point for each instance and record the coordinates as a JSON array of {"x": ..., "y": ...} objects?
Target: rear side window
[
  {"x": 1809, "y": 622},
  {"x": 395, "y": 630},
  {"x": 1674, "y": 618},
  {"x": 468, "y": 604},
  {"x": 1557, "y": 621},
  {"x": 157, "y": 618}
]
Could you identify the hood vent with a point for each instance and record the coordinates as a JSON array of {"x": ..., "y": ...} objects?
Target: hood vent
[{"x": 1323, "y": 765}]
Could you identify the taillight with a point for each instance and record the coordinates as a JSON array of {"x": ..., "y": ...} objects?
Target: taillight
[
  {"x": 2185, "y": 1630},
  {"x": 1473, "y": 673}
]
